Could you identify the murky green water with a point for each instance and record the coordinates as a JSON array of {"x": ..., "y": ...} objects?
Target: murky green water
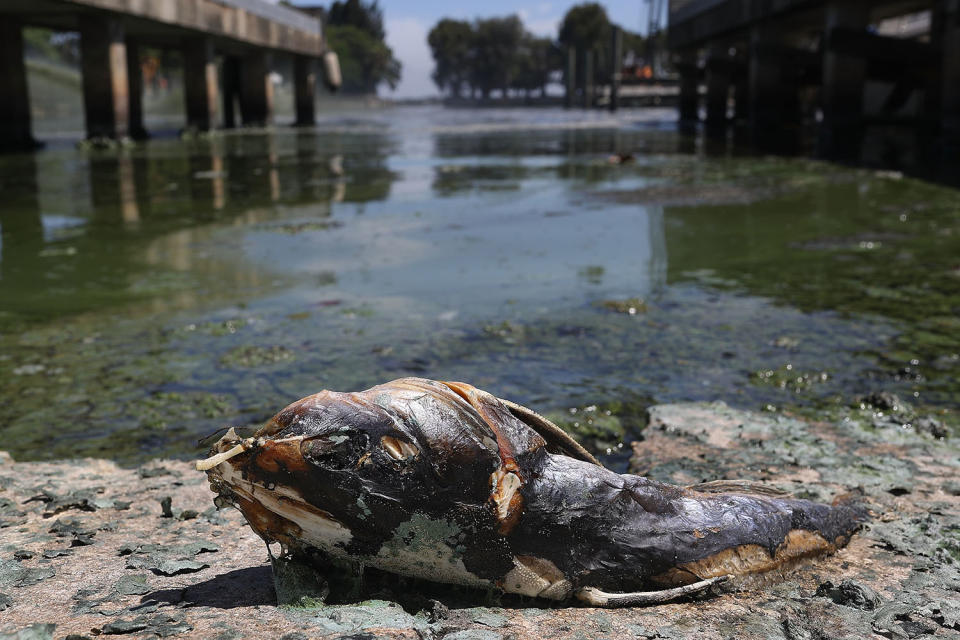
[{"x": 151, "y": 295}]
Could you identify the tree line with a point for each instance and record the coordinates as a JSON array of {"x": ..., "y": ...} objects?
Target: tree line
[{"x": 490, "y": 54}]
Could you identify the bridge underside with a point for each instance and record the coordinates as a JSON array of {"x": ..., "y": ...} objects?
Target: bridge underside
[
  {"x": 111, "y": 34},
  {"x": 838, "y": 63}
]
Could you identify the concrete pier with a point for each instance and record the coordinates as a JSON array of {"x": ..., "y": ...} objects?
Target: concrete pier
[
  {"x": 616, "y": 55},
  {"x": 106, "y": 92},
  {"x": 950, "y": 87},
  {"x": 587, "y": 79},
  {"x": 231, "y": 90},
  {"x": 844, "y": 75},
  {"x": 256, "y": 91},
  {"x": 719, "y": 68},
  {"x": 201, "y": 89},
  {"x": 135, "y": 89},
  {"x": 836, "y": 65},
  {"x": 247, "y": 33},
  {"x": 15, "y": 130},
  {"x": 686, "y": 65},
  {"x": 305, "y": 89},
  {"x": 772, "y": 100}
]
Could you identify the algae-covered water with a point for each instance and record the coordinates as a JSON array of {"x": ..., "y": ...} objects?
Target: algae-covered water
[{"x": 152, "y": 294}]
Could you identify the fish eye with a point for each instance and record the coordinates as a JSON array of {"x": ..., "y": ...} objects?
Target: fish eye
[
  {"x": 339, "y": 450},
  {"x": 399, "y": 449}
]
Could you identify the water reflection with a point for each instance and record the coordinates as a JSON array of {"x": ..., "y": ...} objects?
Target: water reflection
[
  {"x": 139, "y": 221},
  {"x": 238, "y": 272}
]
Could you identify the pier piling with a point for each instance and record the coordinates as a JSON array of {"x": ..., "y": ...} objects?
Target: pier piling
[
  {"x": 950, "y": 82},
  {"x": 247, "y": 33},
  {"x": 305, "y": 89},
  {"x": 686, "y": 65},
  {"x": 838, "y": 66},
  {"x": 201, "y": 89},
  {"x": 256, "y": 89},
  {"x": 135, "y": 88},
  {"x": 718, "y": 80},
  {"x": 106, "y": 92},
  {"x": 844, "y": 76},
  {"x": 15, "y": 130}
]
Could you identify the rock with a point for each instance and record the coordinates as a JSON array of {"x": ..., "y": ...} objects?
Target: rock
[
  {"x": 74, "y": 529},
  {"x": 931, "y": 426},
  {"x": 473, "y": 634},
  {"x": 883, "y": 400},
  {"x": 908, "y": 552},
  {"x": 38, "y": 631},
  {"x": 851, "y": 594},
  {"x": 133, "y": 585},
  {"x": 120, "y": 627},
  {"x": 153, "y": 471}
]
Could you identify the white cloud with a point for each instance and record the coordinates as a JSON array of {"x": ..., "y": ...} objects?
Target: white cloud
[{"x": 408, "y": 39}]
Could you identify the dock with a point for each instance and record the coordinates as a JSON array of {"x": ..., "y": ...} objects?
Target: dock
[
  {"x": 836, "y": 64},
  {"x": 247, "y": 34}
]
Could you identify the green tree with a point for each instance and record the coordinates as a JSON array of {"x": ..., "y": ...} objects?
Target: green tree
[
  {"x": 366, "y": 17},
  {"x": 587, "y": 28},
  {"x": 354, "y": 29},
  {"x": 535, "y": 60},
  {"x": 365, "y": 61},
  {"x": 496, "y": 46},
  {"x": 451, "y": 43}
]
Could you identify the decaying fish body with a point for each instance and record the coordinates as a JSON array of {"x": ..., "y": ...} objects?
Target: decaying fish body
[{"x": 442, "y": 481}]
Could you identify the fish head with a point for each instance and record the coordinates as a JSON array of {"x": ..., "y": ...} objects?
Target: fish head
[{"x": 343, "y": 470}]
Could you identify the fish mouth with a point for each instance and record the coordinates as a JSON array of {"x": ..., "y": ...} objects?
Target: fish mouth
[
  {"x": 223, "y": 452},
  {"x": 227, "y": 447}
]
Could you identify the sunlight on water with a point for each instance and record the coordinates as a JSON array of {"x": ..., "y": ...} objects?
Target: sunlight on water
[{"x": 152, "y": 294}]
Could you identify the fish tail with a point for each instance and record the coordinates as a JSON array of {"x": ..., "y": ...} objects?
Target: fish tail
[{"x": 773, "y": 540}]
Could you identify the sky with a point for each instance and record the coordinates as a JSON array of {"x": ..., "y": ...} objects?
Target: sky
[{"x": 408, "y": 22}]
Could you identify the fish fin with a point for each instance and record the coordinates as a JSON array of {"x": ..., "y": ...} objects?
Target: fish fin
[
  {"x": 554, "y": 435},
  {"x": 739, "y": 486},
  {"x": 599, "y": 598}
]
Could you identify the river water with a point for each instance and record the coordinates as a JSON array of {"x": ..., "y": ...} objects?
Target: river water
[{"x": 152, "y": 294}]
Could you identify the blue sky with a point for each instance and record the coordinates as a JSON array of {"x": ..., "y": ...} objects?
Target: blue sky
[{"x": 409, "y": 22}]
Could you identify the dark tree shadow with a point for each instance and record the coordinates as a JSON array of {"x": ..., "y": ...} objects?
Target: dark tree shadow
[{"x": 247, "y": 587}]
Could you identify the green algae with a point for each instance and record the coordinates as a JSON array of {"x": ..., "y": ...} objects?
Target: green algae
[{"x": 129, "y": 336}]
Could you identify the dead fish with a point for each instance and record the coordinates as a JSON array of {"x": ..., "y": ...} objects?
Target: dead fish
[{"x": 445, "y": 482}]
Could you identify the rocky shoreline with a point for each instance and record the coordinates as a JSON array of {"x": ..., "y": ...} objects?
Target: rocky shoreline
[{"x": 88, "y": 548}]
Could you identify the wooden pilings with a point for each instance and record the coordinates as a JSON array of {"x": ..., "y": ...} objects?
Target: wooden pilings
[
  {"x": 135, "y": 90},
  {"x": 201, "y": 89},
  {"x": 835, "y": 66},
  {"x": 305, "y": 90},
  {"x": 14, "y": 101},
  {"x": 686, "y": 65},
  {"x": 844, "y": 77},
  {"x": 570, "y": 78},
  {"x": 256, "y": 89},
  {"x": 950, "y": 80},
  {"x": 106, "y": 92},
  {"x": 587, "y": 79},
  {"x": 112, "y": 84},
  {"x": 616, "y": 51},
  {"x": 719, "y": 77}
]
